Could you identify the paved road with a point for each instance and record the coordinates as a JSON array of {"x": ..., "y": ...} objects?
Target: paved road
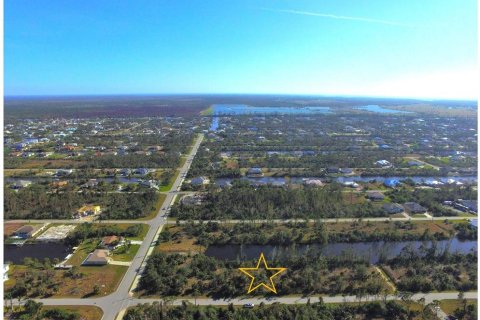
[
  {"x": 257, "y": 220},
  {"x": 109, "y": 308},
  {"x": 115, "y": 302},
  {"x": 324, "y": 220},
  {"x": 122, "y": 299}
]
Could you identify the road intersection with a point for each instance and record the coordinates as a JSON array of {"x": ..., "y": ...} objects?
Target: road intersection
[{"x": 115, "y": 304}]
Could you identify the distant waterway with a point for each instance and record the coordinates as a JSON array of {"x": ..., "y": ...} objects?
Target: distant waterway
[
  {"x": 369, "y": 251},
  {"x": 51, "y": 250},
  {"x": 378, "y": 109},
  {"x": 243, "y": 109}
]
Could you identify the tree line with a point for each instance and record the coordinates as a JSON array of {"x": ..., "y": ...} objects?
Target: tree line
[
  {"x": 245, "y": 202},
  {"x": 310, "y": 311},
  {"x": 35, "y": 203}
]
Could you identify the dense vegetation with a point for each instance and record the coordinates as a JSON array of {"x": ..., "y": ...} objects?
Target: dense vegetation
[
  {"x": 245, "y": 202},
  {"x": 38, "y": 279},
  {"x": 303, "y": 233},
  {"x": 313, "y": 311},
  {"x": 433, "y": 269},
  {"x": 308, "y": 273},
  {"x": 33, "y": 311},
  {"x": 35, "y": 203},
  {"x": 87, "y": 230}
]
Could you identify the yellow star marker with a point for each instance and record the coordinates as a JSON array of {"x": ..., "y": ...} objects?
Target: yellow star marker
[{"x": 272, "y": 287}]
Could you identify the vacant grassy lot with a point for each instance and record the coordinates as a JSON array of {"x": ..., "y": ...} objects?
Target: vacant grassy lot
[
  {"x": 171, "y": 181},
  {"x": 449, "y": 306},
  {"x": 124, "y": 226},
  {"x": 123, "y": 254},
  {"x": 86, "y": 312},
  {"x": 107, "y": 277},
  {"x": 47, "y": 164}
]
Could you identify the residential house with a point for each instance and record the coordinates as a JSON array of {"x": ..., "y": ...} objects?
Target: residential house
[
  {"x": 152, "y": 184},
  {"x": 63, "y": 172},
  {"x": 20, "y": 184},
  {"x": 92, "y": 183},
  {"x": 255, "y": 172},
  {"x": 333, "y": 169},
  {"x": 466, "y": 205},
  {"x": 391, "y": 182},
  {"x": 383, "y": 164},
  {"x": 199, "y": 181},
  {"x": 413, "y": 207},
  {"x": 195, "y": 199},
  {"x": 112, "y": 242},
  {"x": 98, "y": 257},
  {"x": 392, "y": 208},
  {"x": 141, "y": 171},
  {"x": 351, "y": 184},
  {"x": 59, "y": 183},
  {"x": 26, "y": 232},
  {"x": 313, "y": 182},
  {"x": 88, "y": 210},
  {"x": 414, "y": 163},
  {"x": 125, "y": 172},
  {"x": 375, "y": 196},
  {"x": 346, "y": 170}
]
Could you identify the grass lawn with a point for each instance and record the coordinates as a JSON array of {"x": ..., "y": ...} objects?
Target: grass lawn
[
  {"x": 124, "y": 226},
  {"x": 119, "y": 255},
  {"x": 82, "y": 252},
  {"x": 467, "y": 215},
  {"x": 50, "y": 163},
  {"x": 419, "y": 215},
  {"x": 161, "y": 198},
  {"x": 86, "y": 312},
  {"x": 170, "y": 183},
  {"x": 449, "y": 306}
]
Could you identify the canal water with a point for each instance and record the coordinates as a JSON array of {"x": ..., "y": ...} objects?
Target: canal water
[
  {"x": 369, "y": 251},
  {"x": 15, "y": 254}
]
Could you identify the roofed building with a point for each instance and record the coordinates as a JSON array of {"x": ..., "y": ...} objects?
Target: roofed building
[
  {"x": 392, "y": 208},
  {"x": 375, "y": 196},
  {"x": 413, "y": 207},
  {"x": 98, "y": 257}
]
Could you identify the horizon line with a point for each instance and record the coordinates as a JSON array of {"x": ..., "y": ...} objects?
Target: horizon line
[{"x": 234, "y": 94}]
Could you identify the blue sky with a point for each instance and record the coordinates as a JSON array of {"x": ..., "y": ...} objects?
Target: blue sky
[{"x": 407, "y": 48}]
